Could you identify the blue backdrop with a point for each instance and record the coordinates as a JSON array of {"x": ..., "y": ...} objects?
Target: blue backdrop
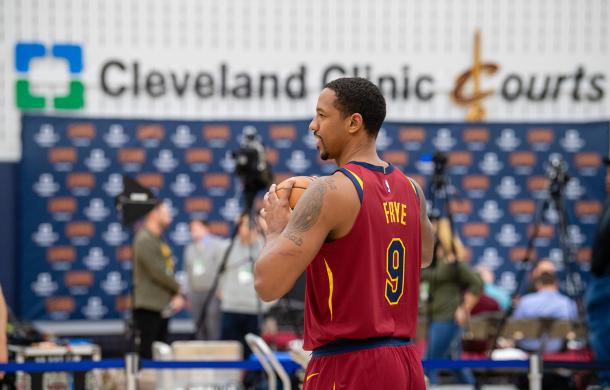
[{"x": 75, "y": 255}]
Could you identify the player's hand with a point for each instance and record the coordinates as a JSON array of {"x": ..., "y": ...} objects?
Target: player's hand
[{"x": 276, "y": 210}]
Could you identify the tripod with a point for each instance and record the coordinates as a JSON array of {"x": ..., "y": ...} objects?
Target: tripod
[
  {"x": 444, "y": 277},
  {"x": 558, "y": 179}
]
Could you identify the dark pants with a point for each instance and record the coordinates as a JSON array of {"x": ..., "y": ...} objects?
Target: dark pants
[
  {"x": 151, "y": 327},
  {"x": 235, "y": 326}
]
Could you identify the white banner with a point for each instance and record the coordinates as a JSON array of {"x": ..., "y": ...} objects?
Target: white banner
[{"x": 247, "y": 59}]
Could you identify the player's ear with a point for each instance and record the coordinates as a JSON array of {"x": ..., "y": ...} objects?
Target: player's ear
[{"x": 355, "y": 123}]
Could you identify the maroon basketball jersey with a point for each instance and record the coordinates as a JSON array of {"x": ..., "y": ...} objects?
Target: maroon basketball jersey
[{"x": 366, "y": 284}]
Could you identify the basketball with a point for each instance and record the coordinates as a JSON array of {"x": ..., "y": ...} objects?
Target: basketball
[{"x": 300, "y": 184}]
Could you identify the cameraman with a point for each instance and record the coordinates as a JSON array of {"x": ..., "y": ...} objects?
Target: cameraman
[{"x": 598, "y": 295}]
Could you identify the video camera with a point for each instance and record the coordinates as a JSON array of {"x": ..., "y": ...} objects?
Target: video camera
[
  {"x": 439, "y": 179},
  {"x": 251, "y": 164},
  {"x": 557, "y": 173}
]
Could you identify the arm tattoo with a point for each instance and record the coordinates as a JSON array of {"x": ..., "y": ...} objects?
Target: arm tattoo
[
  {"x": 297, "y": 240},
  {"x": 308, "y": 211}
]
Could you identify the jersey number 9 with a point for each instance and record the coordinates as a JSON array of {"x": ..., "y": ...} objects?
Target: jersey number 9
[{"x": 395, "y": 267}]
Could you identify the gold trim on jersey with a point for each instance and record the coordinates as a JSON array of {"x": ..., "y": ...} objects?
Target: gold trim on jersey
[
  {"x": 412, "y": 185},
  {"x": 330, "y": 289},
  {"x": 357, "y": 178}
]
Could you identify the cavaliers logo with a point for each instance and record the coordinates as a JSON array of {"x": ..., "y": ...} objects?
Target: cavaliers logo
[
  {"x": 219, "y": 228},
  {"x": 460, "y": 159},
  {"x": 519, "y": 159},
  {"x": 78, "y": 278},
  {"x": 476, "y": 134},
  {"x": 587, "y": 160},
  {"x": 476, "y": 111},
  {"x": 216, "y": 132},
  {"x": 81, "y": 131},
  {"x": 475, "y": 182},
  {"x": 540, "y": 135},
  {"x": 61, "y": 254},
  {"x": 124, "y": 253},
  {"x": 80, "y": 183},
  {"x": 62, "y": 155},
  {"x": 282, "y": 132},
  {"x": 537, "y": 183},
  {"x": 218, "y": 180},
  {"x": 63, "y": 205},
  {"x": 396, "y": 157},
  {"x": 79, "y": 229},
  {"x": 150, "y": 180},
  {"x": 583, "y": 255},
  {"x": 475, "y": 229},
  {"x": 522, "y": 207},
  {"x": 460, "y": 206},
  {"x": 122, "y": 303},
  {"x": 412, "y": 134},
  {"x": 588, "y": 207},
  {"x": 150, "y": 133},
  {"x": 544, "y": 230},
  {"x": 131, "y": 156},
  {"x": 198, "y": 156},
  {"x": 197, "y": 205},
  {"x": 519, "y": 253},
  {"x": 60, "y": 304}
]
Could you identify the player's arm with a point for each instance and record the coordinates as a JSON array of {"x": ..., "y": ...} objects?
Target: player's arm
[
  {"x": 294, "y": 238},
  {"x": 427, "y": 231}
]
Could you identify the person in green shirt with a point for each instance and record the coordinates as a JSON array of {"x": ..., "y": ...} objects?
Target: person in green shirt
[
  {"x": 453, "y": 290},
  {"x": 157, "y": 294}
]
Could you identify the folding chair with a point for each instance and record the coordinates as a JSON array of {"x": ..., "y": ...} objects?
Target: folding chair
[{"x": 269, "y": 362}]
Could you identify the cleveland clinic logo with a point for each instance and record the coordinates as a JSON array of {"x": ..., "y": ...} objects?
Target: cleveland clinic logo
[{"x": 26, "y": 98}]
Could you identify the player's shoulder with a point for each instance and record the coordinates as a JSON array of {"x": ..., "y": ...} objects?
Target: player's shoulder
[{"x": 335, "y": 191}]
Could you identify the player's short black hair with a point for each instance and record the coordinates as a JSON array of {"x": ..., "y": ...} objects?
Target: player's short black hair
[{"x": 358, "y": 95}]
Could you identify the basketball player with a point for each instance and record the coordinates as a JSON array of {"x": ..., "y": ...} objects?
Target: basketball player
[{"x": 362, "y": 234}]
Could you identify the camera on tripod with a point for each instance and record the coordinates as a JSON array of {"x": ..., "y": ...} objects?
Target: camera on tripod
[
  {"x": 438, "y": 185},
  {"x": 251, "y": 164},
  {"x": 440, "y": 162},
  {"x": 557, "y": 173}
]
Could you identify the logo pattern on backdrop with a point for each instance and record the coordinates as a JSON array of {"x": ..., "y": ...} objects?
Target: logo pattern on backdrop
[{"x": 78, "y": 255}]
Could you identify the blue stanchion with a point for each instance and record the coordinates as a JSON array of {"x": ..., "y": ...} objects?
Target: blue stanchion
[
  {"x": 289, "y": 365},
  {"x": 239, "y": 364},
  {"x": 478, "y": 363},
  {"x": 84, "y": 365}
]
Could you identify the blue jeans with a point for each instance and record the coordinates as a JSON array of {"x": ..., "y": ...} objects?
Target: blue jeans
[
  {"x": 445, "y": 342},
  {"x": 598, "y": 316}
]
